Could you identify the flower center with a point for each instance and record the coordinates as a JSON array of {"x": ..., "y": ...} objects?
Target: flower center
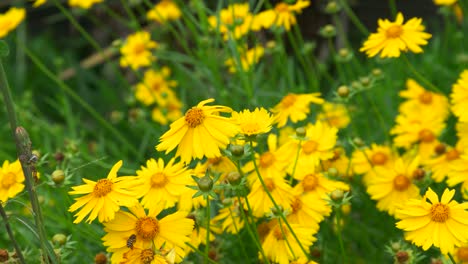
[
  {"x": 278, "y": 233},
  {"x": 310, "y": 182},
  {"x": 426, "y": 135},
  {"x": 462, "y": 254},
  {"x": 379, "y": 158},
  {"x": 102, "y": 187},
  {"x": 8, "y": 180},
  {"x": 282, "y": 7},
  {"x": 158, "y": 180},
  {"x": 146, "y": 256},
  {"x": 452, "y": 154},
  {"x": 289, "y": 99},
  {"x": 401, "y": 182},
  {"x": 250, "y": 128},
  {"x": 394, "y": 31},
  {"x": 270, "y": 184},
  {"x": 266, "y": 159},
  {"x": 214, "y": 161},
  {"x": 147, "y": 228},
  {"x": 439, "y": 212},
  {"x": 156, "y": 86},
  {"x": 194, "y": 117},
  {"x": 309, "y": 147},
  {"x": 425, "y": 97},
  {"x": 296, "y": 205},
  {"x": 139, "y": 48}
]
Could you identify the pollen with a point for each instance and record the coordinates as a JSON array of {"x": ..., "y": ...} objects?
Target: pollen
[
  {"x": 379, "y": 158},
  {"x": 8, "y": 180},
  {"x": 310, "y": 182},
  {"x": 401, "y": 183},
  {"x": 194, "y": 117},
  {"x": 159, "y": 180},
  {"x": 426, "y": 135},
  {"x": 425, "y": 97},
  {"x": 452, "y": 154},
  {"x": 309, "y": 147},
  {"x": 102, "y": 187},
  {"x": 146, "y": 256},
  {"x": 439, "y": 213},
  {"x": 289, "y": 99},
  {"x": 147, "y": 228},
  {"x": 270, "y": 184},
  {"x": 282, "y": 7},
  {"x": 394, "y": 31},
  {"x": 267, "y": 159}
]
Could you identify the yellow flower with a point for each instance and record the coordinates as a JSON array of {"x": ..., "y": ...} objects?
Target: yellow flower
[
  {"x": 365, "y": 160},
  {"x": 314, "y": 185},
  {"x": 166, "y": 10},
  {"x": 280, "y": 246},
  {"x": 391, "y": 187},
  {"x": 394, "y": 37},
  {"x": 440, "y": 165},
  {"x": 171, "y": 231},
  {"x": 201, "y": 132},
  {"x": 168, "y": 111},
  {"x": 10, "y": 20},
  {"x": 231, "y": 217},
  {"x": 155, "y": 87},
  {"x": 38, "y": 3},
  {"x": 459, "y": 97},
  {"x": 86, "y": 4},
  {"x": 308, "y": 210},
  {"x": 162, "y": 185},
  {"x": 282, "y": 15},
  {"x": 335, "y": 115},
  {"x": 445, "y": 2},
  {"x": 461, "y": 254},
  {"x": 103, "y": 198},
  {"x": 253, "y": 123},
  {"x": 458, "y": 173},
  {"x": 234, "y": 21},
  {"x": 247, "y": 59},
  {"x": 339, "y": 162},
  {"x": 294, "y": 107},
  {"x": 11, "y": 180},
  {"x": 136, "y": 51},
  {"x": 443, "y": 224}
]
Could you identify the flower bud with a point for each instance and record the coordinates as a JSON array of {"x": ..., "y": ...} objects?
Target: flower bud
[
  {"x": 332, "y": 8},
  {"x": 401, "y": 257},
  {"x": 59, "y": 239},
  {"x": 205, "y": 183},
  {"x": 234, "y": 178},
  {"x": 337, "y": 195},
  {"x": 100, "y": 258},
  {"x": 343, "y": 91},
  {"x": 301, "y": 132},
  {"x": 328, "y": 31},
  {"x": 58, "y": 176},
  {"x": 237, "y": 150}
]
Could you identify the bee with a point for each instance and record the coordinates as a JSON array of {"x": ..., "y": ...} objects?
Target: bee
[{"x": 131, "y": 240}]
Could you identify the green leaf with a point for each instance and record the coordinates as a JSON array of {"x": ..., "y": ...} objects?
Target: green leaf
[{"x": 4, "y": 49}]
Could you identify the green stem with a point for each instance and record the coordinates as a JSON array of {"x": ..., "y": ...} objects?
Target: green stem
[
  {"x": 244, "y": 252},
  {"x": 452, "y": 259},
  {"x": 393, "y": 8},
  {"x": 353, "y": 17},
  {"x": 295, "y": 161},
  {"x": 10, "y": 234},
  {"x": 419, "y": 76},
  {"x": 208, "y": 213}
]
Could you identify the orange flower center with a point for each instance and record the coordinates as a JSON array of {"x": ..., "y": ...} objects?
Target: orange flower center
[
  {"x": 214, "y": 161},
  {"x": 8, "y": 180},
  {"x": 452, "y": 154},
  {"x": 250, "y": 128},
  {"x": 310, "y": 182},
  {"x": 282, "y": 7},
  {"x": 270, "y": 184},
  {"x": 266, "y": 159},
  {"x": 147, "y": 228},
  {"x": 379, "y": 158},
  {"x": 462, "y": 254},
  {"x": 425, "y": 97},
  {"x": 401, "y": 183},
  {"x": 280, "y": 234},
  {"x": 139, "y": 48},
  {"x": 102, "y": 187},
  {"x": 194, "y": 117},
  {"x": 156, "y": 86},
  {"x": 146, "y": 256},
  {"x": 288, "y": 100},
  {"x": 158, "y": 180},
  {"x": 394, "y": 31},
  {"x": 296, "y": 205},
  {"x": 439, "y": 212},
  {"x": 426, "y": 135},
  {"x": 309, "y": 147}
]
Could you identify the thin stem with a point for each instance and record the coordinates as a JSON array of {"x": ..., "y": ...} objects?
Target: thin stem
[
  {"x": 354, "y": 18},
  {"x": 393, "y": 8},
  {"x": 295, "y": 161},
  {"x": 419, "y": 76},
  {"x": 244, "y": 252},
  {"x": 10, "y": 234},
  {"x": 452, "y": 259},
  {"x": 208, "y": 213}
]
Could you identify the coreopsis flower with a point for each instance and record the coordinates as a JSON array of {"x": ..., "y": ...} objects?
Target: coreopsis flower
[
  {"x": 234, "y": 21},
  {"x": 335, "y": 115},
  {"x": 339, "y": 162},
  {"x": 308, "y": 210},
  {"x": 391, "y": 187},
  {"x": 460, "y": 255},
  {"x": 231, "y": 217},
  {"x": 440, "y": 165},
  {"x": 458, "y": 173},
  {"x": 155, "y": 88},
  {"x": 282, "y": 15},
  {"x": 365, "y": 160},
  {"x": 294, "y": 107},
  {"x": 169, "y": 111},
  {"x": 253, "y": 123},
  {"x": 280, "y": 246},
  {"x": 136, "y": 51},
  {"x": 169, "y": 232},
  {"x": 314, "y": 185},
  {"x": 85, "y": 4},
  {"x": 459, "y": 97},
  {"x": 429, "y": 222},
  {"x": 394, "y": 37},
  {"x": 162, "y": 185},
  {"x": 246, "y": 59},
  {"x": 164, "y": 11},
  {"x": 102, "y": 199},
  {"x": 11, "y": 180},
  {"x": 420, "y": 100},
  {"x": 200, "y": 133},
  {"x": 445, "y": 2},
  {"x": 10, "y": 20}
]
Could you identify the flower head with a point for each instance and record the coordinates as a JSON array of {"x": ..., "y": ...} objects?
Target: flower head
[
  {"x": 155, "y": 88},
  {"x": 234, "y": 21},
  {"x": 200, "y": 133},
  {"x": 166, "y": 10},
  {"x": 253, "y": 123},
  {"x": 11, "y": 180},
  {"x": 247, "y": 59},
  {"x": 443, "y": 224},
  {"x": 86, "y": 4},
  {"x": 335, "y": 115},
  {"x": 394, "y": 37},
  {"x": 103, "y": 198},
  {"x": 294, "y": 107},
  {"x": 10, "y": 20},
  {"x": 136, "y": 52},
  {"x": 282, "y": 15}
]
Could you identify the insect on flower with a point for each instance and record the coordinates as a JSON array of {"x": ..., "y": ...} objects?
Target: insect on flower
[{"x": 131, "y": 240}]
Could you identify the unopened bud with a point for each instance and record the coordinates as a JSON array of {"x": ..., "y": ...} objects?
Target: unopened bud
[
  {"x": 234, "y": 178},
  {"x": 237, "y": 150},
  {"x": 332, "y": 8},
  {"x": 337, "y": 195},
  {"x": 328, "y": 31},
  {"x": 301, "y": 132},
  {"x": 205, "y": 183},
  {"x": 332, "y": 172},
  {"x": 343, "y": 91},
  {"x": 401, "y": 257},
  {"x": 100, "y": 258},
  {"x": 59, "y": 239},
  {"x": 58, "y": 176}
]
